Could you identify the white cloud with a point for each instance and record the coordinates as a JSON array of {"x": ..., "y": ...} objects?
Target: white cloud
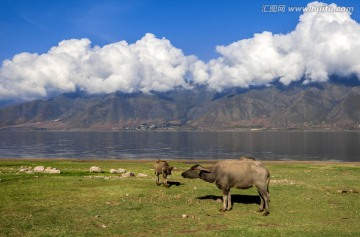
[
  {"x": 150, "y": 64},
  {"x": 321, "y": 45}
]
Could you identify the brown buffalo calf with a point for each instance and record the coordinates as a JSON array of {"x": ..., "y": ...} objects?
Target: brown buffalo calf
[{"x": 162, "y": 167}]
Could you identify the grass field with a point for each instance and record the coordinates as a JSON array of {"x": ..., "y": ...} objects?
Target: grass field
[{"x": 307, "y": 199}]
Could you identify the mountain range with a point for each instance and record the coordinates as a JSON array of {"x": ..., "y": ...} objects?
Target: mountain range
[{"x": 327, "y": 105}]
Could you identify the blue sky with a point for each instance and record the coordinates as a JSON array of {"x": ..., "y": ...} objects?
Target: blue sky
[
  {"x": 195, "y": 26},
  {"x": 48, "y": 47}
]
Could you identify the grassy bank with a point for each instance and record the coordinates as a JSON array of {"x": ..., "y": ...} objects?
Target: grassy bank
[{"x": 307, "y": 199}]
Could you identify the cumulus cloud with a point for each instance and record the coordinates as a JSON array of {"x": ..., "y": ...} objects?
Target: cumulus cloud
[
  {"x": 322, "y": 44},
  {"x": 150, "y": 64}
]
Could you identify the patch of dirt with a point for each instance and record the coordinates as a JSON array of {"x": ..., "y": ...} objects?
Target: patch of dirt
[
  {"x": 283, "y": 181},
  {"x": 216, "y": 227},
  {"x": 345, "y": 191},
  {"x": 112, "y": 203}
]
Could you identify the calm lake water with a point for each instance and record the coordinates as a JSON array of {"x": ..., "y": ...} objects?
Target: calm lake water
[{"x": 264, "y": 145}]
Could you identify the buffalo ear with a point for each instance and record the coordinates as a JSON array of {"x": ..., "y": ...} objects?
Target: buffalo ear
[{"x": 171, "y": 168}]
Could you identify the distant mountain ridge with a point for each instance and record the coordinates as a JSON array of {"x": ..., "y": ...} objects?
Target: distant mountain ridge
[{"x": 328, "y": 105}]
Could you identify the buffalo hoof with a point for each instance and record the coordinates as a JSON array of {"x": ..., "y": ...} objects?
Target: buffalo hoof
[
  {"x": 266, "y": 213},
  {"x": 260, "y": 210},
  {"x": 222, "y": 210}
]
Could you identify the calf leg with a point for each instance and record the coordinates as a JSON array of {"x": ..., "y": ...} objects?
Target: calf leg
[
  {"x": 158, "y": 180},
  {"x": 165, "y": 180},
  {"x": 166, "y": 183}
]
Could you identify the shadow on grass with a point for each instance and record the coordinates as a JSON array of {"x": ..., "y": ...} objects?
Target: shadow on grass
[
  {"x": 171, "y": 183},
  {"x": 235, "y": 198}
]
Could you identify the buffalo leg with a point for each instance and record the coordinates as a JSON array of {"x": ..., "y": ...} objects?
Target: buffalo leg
[
  {"x": 262, "y": 203},
  {"x": 266, "y": 199},
  {"x": 229, "y": 204},
  {"x": 226, "y": 200}
]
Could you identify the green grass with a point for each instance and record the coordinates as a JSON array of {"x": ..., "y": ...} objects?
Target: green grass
[{"x": 304, "y": 202}]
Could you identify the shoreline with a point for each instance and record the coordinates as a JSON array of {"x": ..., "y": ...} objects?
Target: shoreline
[{"x": 185, "y": 161}]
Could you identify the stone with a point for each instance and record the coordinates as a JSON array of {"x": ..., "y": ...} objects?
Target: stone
[
  {"x": 54, "y": 171},
  {"x": 113, "y": 171},
  {"x": 128, "y": 174},
  {"x": 51, "y": 170},
  {"x": 117, "y": 171},
  {"x": 120, "y": 171},
  {"x": 25, "y": 169},
  {"x": 95, "y": 169},
  {"x": 39, "y": 169}
]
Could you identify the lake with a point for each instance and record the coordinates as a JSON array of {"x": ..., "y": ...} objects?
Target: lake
[{"x": 264, "y": 145}]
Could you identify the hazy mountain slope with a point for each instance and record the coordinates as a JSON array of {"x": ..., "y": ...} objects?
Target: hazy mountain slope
[{"x": 326, "y": 105}]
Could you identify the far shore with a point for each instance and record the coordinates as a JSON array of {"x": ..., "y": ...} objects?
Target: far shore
[{"x": 36, "y": 127}]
